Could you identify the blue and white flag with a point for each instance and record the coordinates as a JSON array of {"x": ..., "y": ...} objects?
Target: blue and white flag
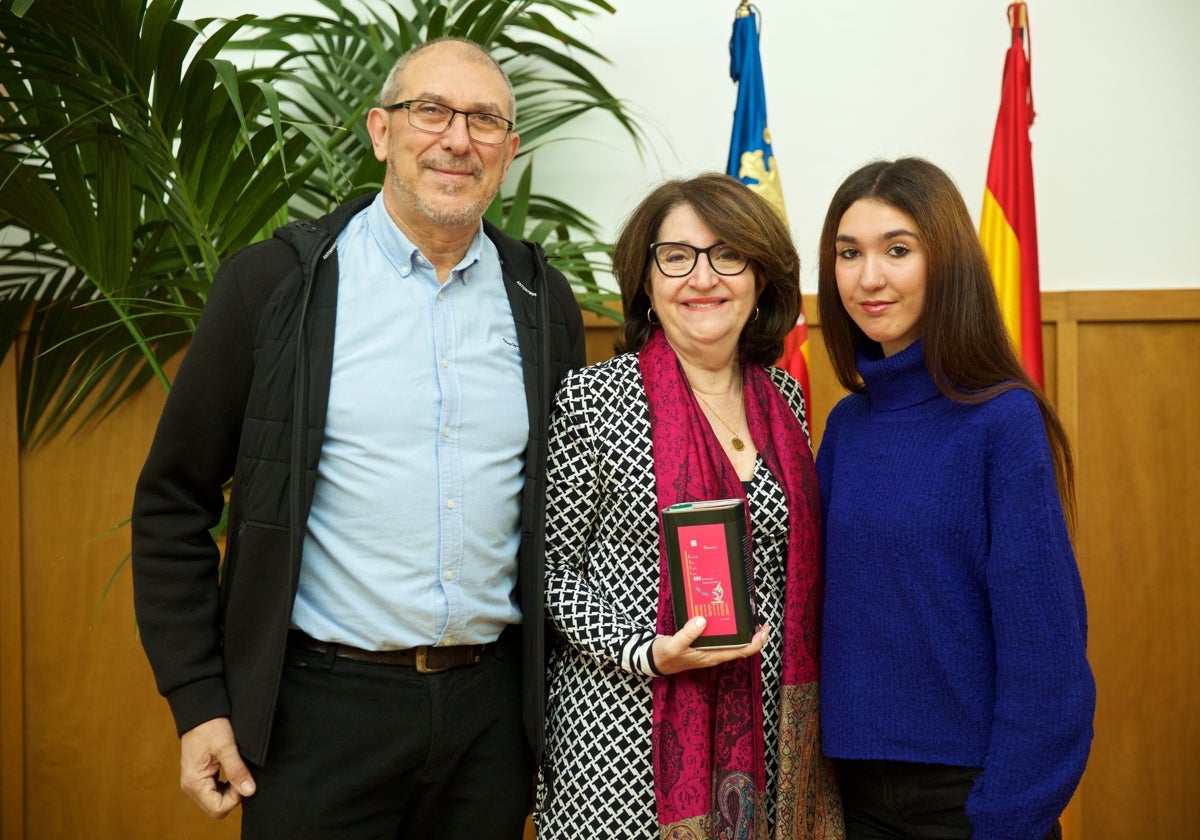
[{"x": 751, "y": 159}]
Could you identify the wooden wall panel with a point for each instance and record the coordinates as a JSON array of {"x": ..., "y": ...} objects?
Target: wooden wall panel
[
  {"x": 601, "y": 333},
  {"x": 102, "y": 759},
  {"x": 1139, "y": 553},
  {"x": 12, "y": 664}
]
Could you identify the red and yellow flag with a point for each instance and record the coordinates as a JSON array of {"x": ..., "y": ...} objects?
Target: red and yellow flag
[
  {"x": 1008, "y": 224},
  {"x": 752, "y": 161}
]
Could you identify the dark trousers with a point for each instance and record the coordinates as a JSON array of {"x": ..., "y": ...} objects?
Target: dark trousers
[
  {"x": 900, "y": 800},
  {"x": 362, "y": 751}
]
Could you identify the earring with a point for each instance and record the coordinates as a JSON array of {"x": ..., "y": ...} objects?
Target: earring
[
  {"x": 753, "y": 317},
  {"x": 650, "y": 316}
]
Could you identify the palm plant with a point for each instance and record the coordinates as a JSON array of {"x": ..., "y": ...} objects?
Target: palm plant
[
  {"x": 338, "y": 58},
  {"x": 136, "y": 152}
]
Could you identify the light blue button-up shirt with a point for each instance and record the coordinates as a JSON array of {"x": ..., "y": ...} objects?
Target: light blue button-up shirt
[{"x": 414, "y": 529}]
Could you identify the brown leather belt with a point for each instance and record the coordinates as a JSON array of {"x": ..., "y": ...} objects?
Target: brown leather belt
[{"x": 427, "y": 659}]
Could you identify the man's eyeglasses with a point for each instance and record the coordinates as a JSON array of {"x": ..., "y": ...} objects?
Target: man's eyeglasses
[
  {"x": 677, "y": 259},
  {"x": 436, "y": 118}
]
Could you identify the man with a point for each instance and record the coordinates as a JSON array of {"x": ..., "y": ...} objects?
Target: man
[{"x": 377, "y": 383}]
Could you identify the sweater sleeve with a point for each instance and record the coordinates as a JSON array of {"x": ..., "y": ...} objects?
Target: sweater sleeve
[
  {"x": 1045, "y": 693},
  {"x": 574, "y": 604},
  {"x": 179, "y": 499}
]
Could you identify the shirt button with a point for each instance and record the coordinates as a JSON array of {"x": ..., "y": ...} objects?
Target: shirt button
[
  {"x": 405, "y": 271},
  {"x": 441, "y": 296},
  {"x": 446, "y": 432},
  {"x": 450, "y": 504},
  {"x": 449, "y": 575},
  {"x": 445, "y": 363}
]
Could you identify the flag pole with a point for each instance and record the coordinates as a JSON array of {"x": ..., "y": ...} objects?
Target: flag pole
[
  {"x": 1008, "y": 226},
  {"x": 752, "y": 160}
]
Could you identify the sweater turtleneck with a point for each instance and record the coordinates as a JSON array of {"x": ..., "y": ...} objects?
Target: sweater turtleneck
[{"x": 898, "y": 381}]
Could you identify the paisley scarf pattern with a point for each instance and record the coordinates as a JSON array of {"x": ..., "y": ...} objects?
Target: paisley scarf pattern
[{"x": 709, "y": 771}]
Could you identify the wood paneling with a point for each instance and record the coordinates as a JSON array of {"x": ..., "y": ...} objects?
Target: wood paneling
[
  {"x": 87, "y": 748},
  {"x": 12, "y": 666},
  {"x": 1139, "y": 553},
  {"x": 102, "y": 759},
  {"x": 601, "y": 333}
]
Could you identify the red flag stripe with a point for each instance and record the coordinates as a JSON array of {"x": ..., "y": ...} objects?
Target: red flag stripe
[{"x": 1010, "y": 184}]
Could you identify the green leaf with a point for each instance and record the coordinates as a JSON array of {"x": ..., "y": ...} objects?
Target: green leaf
[{"x": 140, "y": 149}]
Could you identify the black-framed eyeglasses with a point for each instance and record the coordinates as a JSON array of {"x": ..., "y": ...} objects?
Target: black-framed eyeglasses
[
  {"x": 435, "y": 118},
  {"x": 677, "y": 259}
]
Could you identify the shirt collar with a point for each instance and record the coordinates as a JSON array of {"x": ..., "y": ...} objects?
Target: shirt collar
[{"x": 405, "y": 256}]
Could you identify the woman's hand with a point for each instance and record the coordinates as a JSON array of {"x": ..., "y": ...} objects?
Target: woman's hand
[{"x": 673, "y": 654}]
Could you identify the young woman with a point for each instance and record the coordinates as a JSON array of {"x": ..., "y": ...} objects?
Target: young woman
[{"x": 956, "y": 695}]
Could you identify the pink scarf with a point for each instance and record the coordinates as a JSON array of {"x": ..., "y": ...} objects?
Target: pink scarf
[{"x": 709, "y": 757}]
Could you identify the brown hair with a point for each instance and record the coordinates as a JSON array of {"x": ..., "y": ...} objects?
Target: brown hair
[
  {"x": 967, "y": 347},
  {"x": 739, "y": 217}
]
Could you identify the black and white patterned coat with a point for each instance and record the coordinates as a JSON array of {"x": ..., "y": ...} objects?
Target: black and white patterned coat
[{"x": 602, "y": 582}]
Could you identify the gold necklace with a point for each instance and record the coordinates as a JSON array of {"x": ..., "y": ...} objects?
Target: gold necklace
[{"x": 736, "y": 441}]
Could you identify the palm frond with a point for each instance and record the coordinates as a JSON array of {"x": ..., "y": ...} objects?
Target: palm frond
[
  {"x": 139, "y": 149},
  {"x": 139, "y": 169}
]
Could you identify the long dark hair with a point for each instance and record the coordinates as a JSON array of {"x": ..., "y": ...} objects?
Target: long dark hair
[
  {"x": 967, "y": 347},
  {"x": 739, "y": 217}
]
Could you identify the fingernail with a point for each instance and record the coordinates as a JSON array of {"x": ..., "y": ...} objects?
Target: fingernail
[{"x": 701, "y": 621}]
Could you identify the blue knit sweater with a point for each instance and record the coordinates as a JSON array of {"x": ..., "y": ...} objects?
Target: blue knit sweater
[{"x": 954, "y": 627}]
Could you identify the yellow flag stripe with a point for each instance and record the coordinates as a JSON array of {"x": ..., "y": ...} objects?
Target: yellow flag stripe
[{"x": 1003, "y": 251}]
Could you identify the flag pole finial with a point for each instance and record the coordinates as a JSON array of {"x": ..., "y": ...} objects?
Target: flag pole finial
[
  {"x": 1018, "y": 16},
  {"x": 743, "y": 9}
]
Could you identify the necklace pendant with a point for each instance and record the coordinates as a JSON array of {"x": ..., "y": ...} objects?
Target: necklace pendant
[{"x": 737, "y": 443}]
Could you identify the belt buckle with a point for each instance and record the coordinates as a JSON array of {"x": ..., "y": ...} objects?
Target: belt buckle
[{"x": 422, "y": 662}]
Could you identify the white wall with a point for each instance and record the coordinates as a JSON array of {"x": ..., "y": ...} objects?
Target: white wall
[{"x": 1116, "y": 89}]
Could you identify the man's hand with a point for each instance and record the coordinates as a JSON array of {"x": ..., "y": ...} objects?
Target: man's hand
[
  {"x": 206, "y": 751},
  {"x": 673, "y": 654}
]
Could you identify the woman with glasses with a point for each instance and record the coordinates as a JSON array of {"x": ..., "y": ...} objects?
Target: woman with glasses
[
  {"x": 646, "y": 735},
  {"x": 954, "y": 662}
]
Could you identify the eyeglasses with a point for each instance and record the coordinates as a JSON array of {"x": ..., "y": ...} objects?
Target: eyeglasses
[
  {"x": 677, "y": 259},
  {"x": 436, "y": 118}
]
